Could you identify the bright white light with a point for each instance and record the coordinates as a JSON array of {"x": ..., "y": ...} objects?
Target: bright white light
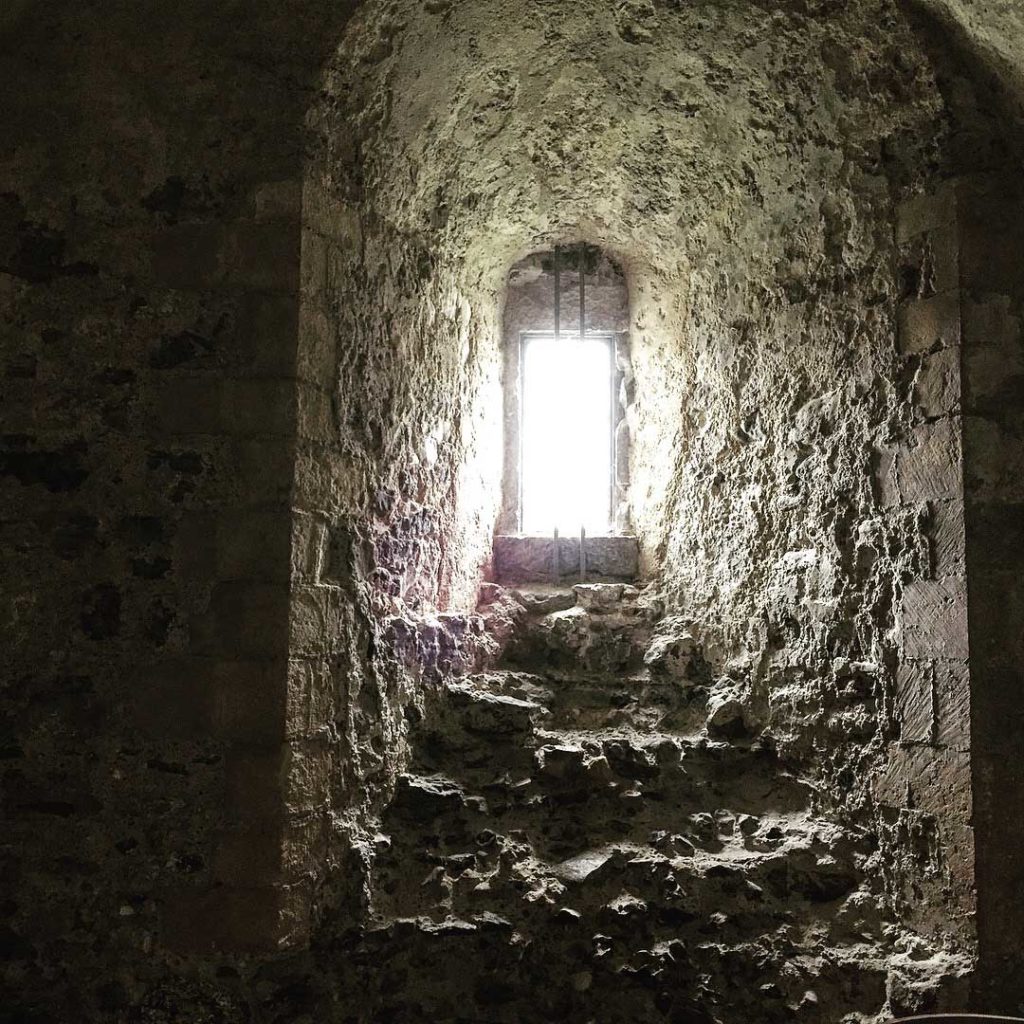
[{"x": 566, "y": 434}]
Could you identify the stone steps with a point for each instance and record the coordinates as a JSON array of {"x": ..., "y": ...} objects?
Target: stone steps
[{"x": 596, "y": 819}]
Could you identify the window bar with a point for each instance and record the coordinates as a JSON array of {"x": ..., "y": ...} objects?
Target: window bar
[
  {"x": 558, "y": 291},
  {"x": 583, "y": 554},
  {"x": 521, "y": 411},
  {"x": 613, "y": 415},
  {"x": 555, "y": 568},
  {"x": 583, "y": 301}
]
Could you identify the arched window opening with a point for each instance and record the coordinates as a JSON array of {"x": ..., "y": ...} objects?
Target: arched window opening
[{"x": 564, "y": 509}]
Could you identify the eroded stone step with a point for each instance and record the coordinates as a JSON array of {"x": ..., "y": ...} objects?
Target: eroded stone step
[
  {"x": 631, "y": 898},
  {"x": 581, "y": 638},
  {"x": 724, "y": 709},
  {"x": 414, "y": 970},
  {"x": 439, "y": 825}
]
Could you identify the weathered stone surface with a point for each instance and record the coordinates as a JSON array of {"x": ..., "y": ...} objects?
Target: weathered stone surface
[
  {"x": 933, "y": 619},
  {"x": 946, "y": 538},
  {"x": 937, "y": 384},
  {"x": 531, "y": 559},
  {"x": 251, "y": 276},
  {"x": 570, "y": 850},
  {"x": 929, "y": 467},
  {"x": 917, "y": 702},
  {"x": 928, "y": 324}
]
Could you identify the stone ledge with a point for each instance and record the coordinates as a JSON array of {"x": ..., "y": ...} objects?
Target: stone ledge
[{"x": 522, "y": 559}]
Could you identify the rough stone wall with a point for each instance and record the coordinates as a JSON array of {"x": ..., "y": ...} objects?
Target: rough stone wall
[
  {"x": 396, "y": 488},
  {"x": 152, "y": 189},
  {"x": 750, "y": 180},
  {"x": 150, "y": 186},
  {"x": 772, "y": 509}
]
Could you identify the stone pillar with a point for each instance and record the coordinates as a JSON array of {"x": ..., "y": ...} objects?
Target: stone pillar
[
  {"x": 961, "y": 675},
  {"x": 991, "y": 237},
  {"x": 929, "y": 780},
  {"x": 230, "y": 683}
]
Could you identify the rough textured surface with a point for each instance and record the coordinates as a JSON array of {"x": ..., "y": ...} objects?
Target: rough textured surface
[
  {"x": 251, "y": 272},
  {"x": 532, "y": 559},
  {"x": 607, "y": 826}
]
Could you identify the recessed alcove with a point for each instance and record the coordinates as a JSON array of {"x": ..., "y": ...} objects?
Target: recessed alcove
[{"x": 567, "y": 388}]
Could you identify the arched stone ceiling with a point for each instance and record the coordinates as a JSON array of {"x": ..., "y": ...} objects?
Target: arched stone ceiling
[{"x": 987, "y": 36}]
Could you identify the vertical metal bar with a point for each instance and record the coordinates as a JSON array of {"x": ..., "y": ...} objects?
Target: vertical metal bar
[
  {"x": 583, "y": 301},
  {"x": 558, "y": 291},
  {"x": 613, "y": 416},
  {"x": 583, "y": 554},
  {"x": 522, "y": 428},
  {"x": 556, "y": 569}
]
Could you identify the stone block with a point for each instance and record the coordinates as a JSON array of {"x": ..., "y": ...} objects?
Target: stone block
[
  {"x": 993, "y": 380},
  {"x": 244, "y": 620},
  {"x": 929, "y": 468},
  {"x": 953, "y": 703},
  {"x": 994, "y": 460},
  {"x": 230, "y": 919},
  {"x": 311, "y": 698},
  {"x": 265, "y": 332},
  {"x": 317, "y": 619},
  {"x": 253, "y": 544},
  {"x": 264, "y": 857},
  {"x": 326, "y": 478},
  {"x": 943, "y": 266},
  {"x": 519, "y": 559},
  {"x": 172, "y": 699},
  {"x": 927, "y": 779},
  {"x": 308, "y": 547},
  {"x": 933, "y": 619},
  {"x": 929, "y": 263},
  {"x": 991, "y": 219},
  {"x": 187, "y": 256},
  {"x": 326, "y": 213},
  {"x": 946, "y": 538},
  {"x": 314, "y": 263},
  {"x": 277, "y": 199},
  {"x": 263, "y": 253},
  {"x": 926, "y": 324},
  {"x": 261, "y": 407},
  {"x": 926, "y": 212},
  {"x": 195, "y": 556},
  {"x": 316, "y": 361},
  {"x": 315, "y": 417},
  {"x": 990, "y": 321},
  {"x": 264, "y": 468},
  {"x": 934, "y": 703},
  {"x": 255, "y": 786},
  {"x": 308, "y": 771},
  {"x": 613, "y": 557},
  {"x": 915, "y": 697},
  {"x": 186, "y": 405},
  {"x": 250, "y": 857},
  {"x": 997, "y": 617},
  {"x": 937, "y": 384},
  {"x": 247, "y": 701},
  {"x": 996, "y": 532}
]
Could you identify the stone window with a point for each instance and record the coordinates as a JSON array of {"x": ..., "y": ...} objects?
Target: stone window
[{"x": 566, "y": 463}]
